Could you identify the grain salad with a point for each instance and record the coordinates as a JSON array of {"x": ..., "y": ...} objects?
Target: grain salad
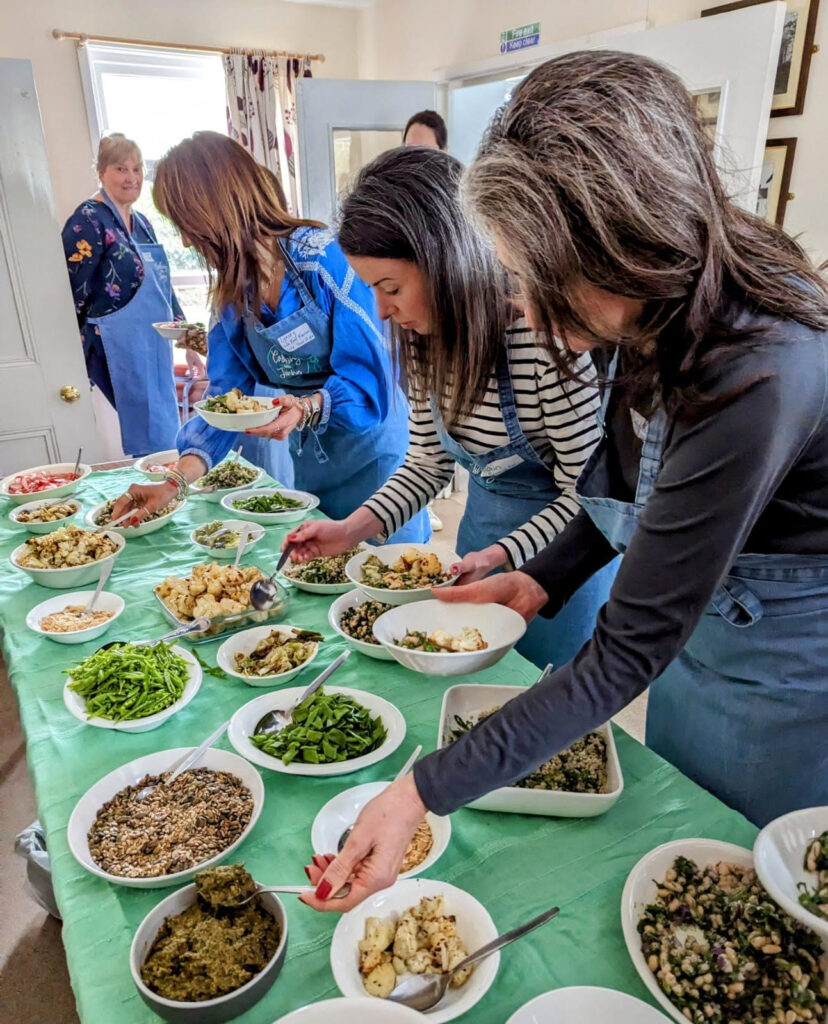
[
  {"x": 359, "y": 622},
  {"x": 814, "y": 897},
  {"x": 70, "y": 619}
]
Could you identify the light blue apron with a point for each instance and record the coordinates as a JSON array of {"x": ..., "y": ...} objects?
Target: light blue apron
[
  {"x": 342, "y": 468},
  {"x": 743, "y": 709},
  {"x": 507, "y": 486},
  {"x": 140, "y": 361}
]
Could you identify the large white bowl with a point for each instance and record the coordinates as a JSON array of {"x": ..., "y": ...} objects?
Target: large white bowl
[
  {"x": 243, "y": 724},
  {"x": 151, "y": 526},
  {"x": 216, "y": 496},
  {"x": 72, "y": 577},
  {"x": 500, "y": 627},
  {"x": 389, "y": 553},
  {"x": 106, "y": 602},
  {"x": 51, "y": 492},
  {"x": 237, "y": 421},
  {"x": 353, "y": 599},
  {"x": 293, "y": 515},
  {"x": 244, "y": 642},
  {"x": 76, "y": 704},
  {"x": 341, "y": 811},
  {"x": 219, "y": 554},
  {"x": 168, "y": 458},
  {"x": 641, "y": 888},
  {"x": 474, "y": 926},
  {"x": 41, "y": 528},
  {"x": 86, "y": 809},
  {"x": 353, "y": 1011},
  {"x": 779, "y": 853},
  {"x": 466, "y": 699},
  {"x": 585, "y": 1004}
]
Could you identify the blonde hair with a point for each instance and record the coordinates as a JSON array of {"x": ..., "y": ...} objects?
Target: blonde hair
[{"x": 115, "y": 148}]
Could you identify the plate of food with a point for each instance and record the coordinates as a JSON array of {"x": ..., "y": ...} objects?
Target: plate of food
[
  {"x": 235, "y": 411},
  {"x": 188, "y": 334},
  {"x": 195, "y": 822},
  {"x": 156, "y": 465},
  {"x": 401, "y": 573},
  {"x": 703, "y": 933},
  {"x": 45, "y": 515},
  {"x": 226, "y": 477},
  {"x": 271, "y": 506},
  {"x": 268, "y": 655},
  {"x": 334, "y": 732},
  {"x": 220, "y": 538},
  {"x": 67, "y": 558},
  {"x": 352, "y": 616},
  {"x": 101, "y": 514},
  {"x": 60, "y": 618},
  {"x": 55, "y": 480},
  {"x": 321, "y": 575},
  {"x": 398, "y": 931}
]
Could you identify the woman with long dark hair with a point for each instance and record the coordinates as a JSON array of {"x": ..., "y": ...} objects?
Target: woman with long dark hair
[{"x": 597, "y": 184}]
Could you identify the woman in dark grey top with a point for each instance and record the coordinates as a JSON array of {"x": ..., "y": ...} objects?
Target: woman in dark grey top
[{"x": 597, "y": 185}]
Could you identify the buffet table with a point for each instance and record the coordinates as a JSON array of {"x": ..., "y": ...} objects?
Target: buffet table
[{"x": 515, "y": 865}]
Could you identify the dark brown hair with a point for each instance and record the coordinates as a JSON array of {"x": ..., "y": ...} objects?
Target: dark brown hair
[{"x": 431, "y": 119}]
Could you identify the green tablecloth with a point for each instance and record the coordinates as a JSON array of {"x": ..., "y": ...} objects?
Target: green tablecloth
[{"x": 515, "y": 865}]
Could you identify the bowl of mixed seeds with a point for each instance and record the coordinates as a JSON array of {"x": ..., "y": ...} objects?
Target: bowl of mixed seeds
[
  {"x": 352, "y": 616},
  {"x": 61, "y": 619},
  {"x": 322, "y": 575},
  {"x": 45, "y": 515}
]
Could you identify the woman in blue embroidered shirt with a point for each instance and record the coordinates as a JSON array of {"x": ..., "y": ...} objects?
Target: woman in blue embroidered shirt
[{"x": 291, "y": 314}]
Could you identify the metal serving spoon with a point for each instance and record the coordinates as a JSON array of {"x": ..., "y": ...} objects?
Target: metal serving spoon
[
  {"x": 406, "y": 768},
  {"x": 196, "y": 626},
  {"x": 93, "y": 600},
  {"x": 184, "y": 763},
  {"x": 343, "y": 892},
  {"x": 263, "y": 592},
  {"x": 274, "y": 721},
  {"x": 422, "y": 991}
]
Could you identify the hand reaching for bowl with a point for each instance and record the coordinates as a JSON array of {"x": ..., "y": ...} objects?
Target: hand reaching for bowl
[
  {"x": 151, "y": 498},
  {"x": 320, "y": 538},
  {"x": 514, "y": 589},
  {"x": 477, "y": 564}
]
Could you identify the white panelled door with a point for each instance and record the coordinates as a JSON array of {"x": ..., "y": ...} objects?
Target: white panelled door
[{"x": 40, "y": 346}]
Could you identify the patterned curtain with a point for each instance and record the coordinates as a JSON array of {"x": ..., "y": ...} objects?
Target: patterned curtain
[{"x": 288, "y": 71}]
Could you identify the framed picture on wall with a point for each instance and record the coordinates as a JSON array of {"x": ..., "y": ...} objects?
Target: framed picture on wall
[
  {"x": 775, "y": 181},
  {"x": 794, "y": 56}
]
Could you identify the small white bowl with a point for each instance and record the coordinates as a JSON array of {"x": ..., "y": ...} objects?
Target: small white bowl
[
  {"x": 353, "y": 599},
  {"x": 75, "y": 575},
  {"x": 168, "y": 458},
  {"x": 171, "y": 330},
  {"x": 467, "y": 699},
  {"x": 779, "y": 853},
  {"x": 243, "y": 724},
  {"x": 236, "y": 421},
  {"x": 151, "y": 526},
  {"x": 216, "y": 496},
  {"x": 500, "y": 627},
  {"x": 244, "y": 642},
  {"x": 641, "y": 889},
  {"x": 353, "y": 1011},
  {"x": 341, "y": 811},
  {"x": 293, "y": 515},
  {"x": 327, "y": 589},
  {"x": 216, "y": 554},
  {"x": 76, "y": 704},
  {"x": 107, "y": 602},
  {"x": 50, "y": 492},
  {"x": 586, "y": 1004},
  {"x": 474, "y": 926},
  {"x": 86, "y": 809},
  {"x": 389, "y": 553},
  {"x": 41, "y": 528}
]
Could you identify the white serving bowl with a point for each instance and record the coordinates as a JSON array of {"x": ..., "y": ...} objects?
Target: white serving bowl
[
  {"x": 353, "y": 1011},
  {"x": 168, "y": 458},
  {"x": 205, "y": 1011},
  {"x": 106, "y": 602},
  {"x": 500, "y": 627},
  {"x": 779, "y": 853},
  {"x": 474, "y": 926},
  {"x": 216, "y": 496},
  {"x": 641, "y": 888},
  {"x": 151, "y": 526},
  {"x": 353, "y": 599},
  {"x": 76, "y": 704},
  {"x": 243, "y": 724},
  {"x": 75, "y": 575},
  {"x": 341, "y": 811},
  {"x": 467, "y": 699},
  {"x": 236, "y": 421},
  {"x": 217, "y": 554},
  {"x": 51, "y": 492},
  {"x": 41, "y": 528},
  {"x": 293, "y": 515},
  {"x": 389, "y": 553},
  {"x": 169, "y": 330},
  {"x": 316, "y": 588},
  {"x": 244, "y": 642},
  {"x": 586, "y": 1004},
  {"x": 86, "y": 809}
]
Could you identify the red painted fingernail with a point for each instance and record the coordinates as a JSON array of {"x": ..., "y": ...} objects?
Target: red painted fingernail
[
  {"x": 323, "y": 890},
  {"x": 454, "y": 570},
  {"x": 320, "y": 861},
  {"x": 307, "y": 872},
  {"x": 275, "y": 401}
]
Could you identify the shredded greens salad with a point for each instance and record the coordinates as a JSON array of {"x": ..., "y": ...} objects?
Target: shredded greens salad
[{"x": 274, "y": 502}]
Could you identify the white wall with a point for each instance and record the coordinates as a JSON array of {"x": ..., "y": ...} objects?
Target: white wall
[{"x": 26, "y": 32}]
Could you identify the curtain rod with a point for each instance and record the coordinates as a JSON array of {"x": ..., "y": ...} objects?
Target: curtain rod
[{"x": 81, "y": 39}]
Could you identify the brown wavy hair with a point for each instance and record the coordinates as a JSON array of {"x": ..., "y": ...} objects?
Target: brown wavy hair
[
  {"x": 599, "y": 170},
  {"x": 231, "y": 209}
]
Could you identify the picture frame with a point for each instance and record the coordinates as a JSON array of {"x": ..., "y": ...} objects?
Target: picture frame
[
  {"x": 794, "y": 55},
  {"x": 775, "y": 180}
]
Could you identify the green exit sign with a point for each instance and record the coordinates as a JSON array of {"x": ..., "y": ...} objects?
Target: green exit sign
[{"x": 519, "y": 38}]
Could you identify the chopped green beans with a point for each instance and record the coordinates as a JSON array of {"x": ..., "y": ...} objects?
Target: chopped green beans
[
  {"x": 126, "y": 682},
  {"x": 267, "y": 503},
  {"x": 326, "y": 727}
]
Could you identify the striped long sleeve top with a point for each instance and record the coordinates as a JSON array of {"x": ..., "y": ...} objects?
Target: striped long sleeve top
[{"x": 557, "y": 416}]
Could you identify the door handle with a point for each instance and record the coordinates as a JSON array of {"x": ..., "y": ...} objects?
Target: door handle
[{"x": 69, "y": 393}]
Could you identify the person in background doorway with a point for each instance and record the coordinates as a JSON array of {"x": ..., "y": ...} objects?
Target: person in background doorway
[{"x": 120, "y": 279}]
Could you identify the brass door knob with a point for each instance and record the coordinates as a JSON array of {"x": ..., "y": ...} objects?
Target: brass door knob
[{"x": 69, "y": 393}]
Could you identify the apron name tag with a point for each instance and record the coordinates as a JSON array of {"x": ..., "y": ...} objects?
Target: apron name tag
[
  {"x": 500, "y": 466},
  {"x": 296, "y": 338}
]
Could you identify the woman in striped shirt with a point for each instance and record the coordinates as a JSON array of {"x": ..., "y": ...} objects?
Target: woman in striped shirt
[{"x": 501, "y": 410}]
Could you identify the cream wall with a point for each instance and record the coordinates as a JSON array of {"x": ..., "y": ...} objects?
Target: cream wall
[{"x": 26, "y": 31}]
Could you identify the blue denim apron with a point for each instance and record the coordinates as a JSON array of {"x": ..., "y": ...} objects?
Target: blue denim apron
[
  {"x": 507, "y": 486},
  {"x": 743, "y": 709},
  {"x": 294, "y": 354},
  {"x": 140, "y": 361}
]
